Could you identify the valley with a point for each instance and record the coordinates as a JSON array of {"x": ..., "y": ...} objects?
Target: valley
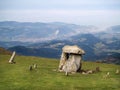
[{"x": 47, "y": 40}]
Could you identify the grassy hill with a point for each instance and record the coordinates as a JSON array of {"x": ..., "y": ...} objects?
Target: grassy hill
[
  {"x": 19, "y": 77},
  {"x": 4, "y": 51}
]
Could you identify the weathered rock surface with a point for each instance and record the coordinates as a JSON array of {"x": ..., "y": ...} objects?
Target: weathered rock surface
[{"x": 71, "y": 59}]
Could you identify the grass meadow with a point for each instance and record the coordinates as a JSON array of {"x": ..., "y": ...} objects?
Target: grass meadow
[{"x": 46, "y": 77}]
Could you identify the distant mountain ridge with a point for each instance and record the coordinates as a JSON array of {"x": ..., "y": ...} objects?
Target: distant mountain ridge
[
  {"x": 47, "y": 39},
  {"x": 37, "y": 32}
]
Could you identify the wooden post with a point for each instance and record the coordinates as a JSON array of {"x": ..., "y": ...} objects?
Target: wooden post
[{"x": 11, "y": 61}]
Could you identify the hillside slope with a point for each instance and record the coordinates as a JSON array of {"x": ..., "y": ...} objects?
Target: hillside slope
[
  {"x": 3, "y": 51},
  {"x": 45, "y": 77}
]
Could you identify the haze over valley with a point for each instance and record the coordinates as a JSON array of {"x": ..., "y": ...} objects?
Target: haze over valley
[{"x": 47, "y": 39}]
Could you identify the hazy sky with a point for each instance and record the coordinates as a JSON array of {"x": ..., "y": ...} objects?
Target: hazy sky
[{"x": 82, "y": 12}]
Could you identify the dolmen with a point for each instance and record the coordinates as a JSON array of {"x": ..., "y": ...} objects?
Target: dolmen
[{"x": 71, "y": 57}]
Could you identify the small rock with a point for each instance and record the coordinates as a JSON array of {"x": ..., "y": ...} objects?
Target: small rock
[
  {"x": 30, "y": 68},
  {"x": 35, "y": 66},
  {"x": 117, "y": 71}
]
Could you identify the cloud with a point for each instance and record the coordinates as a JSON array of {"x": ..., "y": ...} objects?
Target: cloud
[
  {"x": 57, "y": 32},
  {"x": 59, "y": 4},
  {"x": 94, "y": 17}
]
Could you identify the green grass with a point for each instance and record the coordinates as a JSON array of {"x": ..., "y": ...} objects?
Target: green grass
[{"x": 18, "y": 77}]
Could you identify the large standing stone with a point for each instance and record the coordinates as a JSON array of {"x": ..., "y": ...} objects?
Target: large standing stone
[
  {"x": 12, "y": 58},
  {"x": 71, "y": 59}
]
